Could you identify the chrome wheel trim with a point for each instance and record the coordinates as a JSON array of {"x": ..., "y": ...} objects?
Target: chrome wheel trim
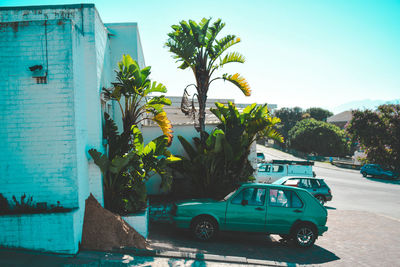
[
  {"x": 204, "y": 230},
  {"x": 304, "y": 236}
]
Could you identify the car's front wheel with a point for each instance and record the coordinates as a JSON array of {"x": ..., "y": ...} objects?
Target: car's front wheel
[
  {"x": 304, "y": 235},
  {"x": 364, "y": 174},
  {"x": 204, "y": 228}
]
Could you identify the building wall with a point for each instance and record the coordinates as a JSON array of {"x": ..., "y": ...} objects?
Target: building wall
[{"x": 37, "y": 121}]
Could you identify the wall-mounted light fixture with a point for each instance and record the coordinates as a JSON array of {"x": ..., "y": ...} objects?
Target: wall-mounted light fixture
[{"x": 39, "y": 74}]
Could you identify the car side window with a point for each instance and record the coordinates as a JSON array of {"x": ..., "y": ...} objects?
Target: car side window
[
  {"x": 254, "y": 197},
  {"x": 304, "y": 183},
  {"x": 284, "y": 198},
  {"x": 264, "y": 168},
  {"x": 278, "y": 168},
  {"x": 315, "y": 184}
]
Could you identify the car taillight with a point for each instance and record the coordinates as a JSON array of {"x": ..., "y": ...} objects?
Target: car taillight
[{"x": 329, "y": 191}]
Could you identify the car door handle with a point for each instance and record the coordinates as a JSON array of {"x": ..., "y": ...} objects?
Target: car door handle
[
  {"x": 298, "y": 211},
  {"x": 259, "y": 208}
]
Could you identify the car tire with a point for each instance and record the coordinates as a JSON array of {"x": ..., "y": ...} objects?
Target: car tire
[
  {"x": 304, "y": 235},
  {"x": 364, "y": 174},
  {"x": 321, "y": 199},
  {"x": 204, "y": 228}
]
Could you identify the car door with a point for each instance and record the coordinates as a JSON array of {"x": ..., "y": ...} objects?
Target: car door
[
  {"x": 283, "y": 209},
  {"x": 246, "y": 210}
]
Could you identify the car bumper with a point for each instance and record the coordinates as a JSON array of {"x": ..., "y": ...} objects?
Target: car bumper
[{"x": 322, "y": 229}]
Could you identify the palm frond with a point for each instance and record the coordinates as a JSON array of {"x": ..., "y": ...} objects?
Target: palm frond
[
  {"x": 232, "y": 57},
  {"x": 239, "y": 81},
  {"x": 164, "y": 124}
]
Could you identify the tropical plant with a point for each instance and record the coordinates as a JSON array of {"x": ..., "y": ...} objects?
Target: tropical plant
[
  {"x": 222, "y": 163},
  {"x": 318, "y": 137},
  {"x": 128, "y": 163},
  {"x": 125, "y": 174},
  {"x": 378, "y": 132},
  {"x": 196, "y": 47},
  {"x": 132, "y": 92}
]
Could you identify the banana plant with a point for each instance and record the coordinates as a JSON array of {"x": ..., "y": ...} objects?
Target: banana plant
[
  {"x": 220, "y": 164},
  {"x": 196, "y": 46},
  {"x": 124, "y": 175},
  {"x": 133, "y": 90}
]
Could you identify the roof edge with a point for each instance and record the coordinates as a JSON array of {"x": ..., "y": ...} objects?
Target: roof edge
[{"x": 47, "y": 7}]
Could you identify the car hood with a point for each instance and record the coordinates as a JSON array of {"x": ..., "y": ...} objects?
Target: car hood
[{"x": 193, "y": 202}]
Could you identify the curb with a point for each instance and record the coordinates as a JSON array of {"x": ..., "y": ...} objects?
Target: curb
[{"x": 201, "y": 257}]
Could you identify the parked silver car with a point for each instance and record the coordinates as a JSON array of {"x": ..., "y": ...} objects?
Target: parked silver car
[{"x": 316, "y": 186}]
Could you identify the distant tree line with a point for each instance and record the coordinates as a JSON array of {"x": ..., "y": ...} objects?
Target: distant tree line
[{"x": 308, "y": 131}]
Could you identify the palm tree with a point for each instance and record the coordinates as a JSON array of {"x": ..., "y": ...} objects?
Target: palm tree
[
  {"x": 196, "y": 46},
  {"x": 132, "y": 92}
]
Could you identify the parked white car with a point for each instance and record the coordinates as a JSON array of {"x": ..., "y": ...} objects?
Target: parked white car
[{"x": 271, "y": 172}]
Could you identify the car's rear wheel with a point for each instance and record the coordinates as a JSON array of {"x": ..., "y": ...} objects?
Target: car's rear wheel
[
  {"x": 321, "y": 199},
  {"x": 364, "y": 174},
  {"x": 304, "y": 235},
  {"x": 204, "y": 228}
]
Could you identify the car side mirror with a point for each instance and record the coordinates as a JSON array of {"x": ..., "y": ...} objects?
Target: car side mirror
[{"x": 245, "y": 202}]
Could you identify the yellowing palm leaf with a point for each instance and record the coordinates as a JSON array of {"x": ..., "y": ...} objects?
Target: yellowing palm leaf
[
  {"x": 165, "y": 125},
  {"x": 239, "y": 81}
]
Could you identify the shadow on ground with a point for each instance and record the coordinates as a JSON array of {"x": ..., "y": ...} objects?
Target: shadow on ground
[
  {"x": 382, "y": 180},
  {"x": 252, "y": 246}
]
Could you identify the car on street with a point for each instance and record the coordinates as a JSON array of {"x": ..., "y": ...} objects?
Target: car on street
[
  {"x": 315, "y": 185},
  {"x": 375, "y": 170},
  {"x": 291, "y": 212}
]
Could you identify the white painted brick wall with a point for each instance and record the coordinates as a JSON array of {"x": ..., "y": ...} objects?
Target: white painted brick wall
[
  {"x": 28, "y": 231},
  {"x": 37, "y": 120}
]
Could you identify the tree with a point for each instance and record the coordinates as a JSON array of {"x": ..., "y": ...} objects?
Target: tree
[
  {"x": 319, "y": 114},
  {"x": 222, "y": 164},
  {"x": 128, "y": 162},
  {"x": 132, "y": 92},
  {"x": 289, "y": 117},
  {"x": 321, "y": 138},
  {"x": 379, "y": 133},
  {"x": 196, "y": 47}
]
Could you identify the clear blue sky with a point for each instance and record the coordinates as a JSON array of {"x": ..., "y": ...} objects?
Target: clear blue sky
[{"x": 298, "y": 53}]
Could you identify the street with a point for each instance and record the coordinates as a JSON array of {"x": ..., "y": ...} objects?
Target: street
[
  {"x": 363, "y": 222},
  {"x": 351, "y": 191}
]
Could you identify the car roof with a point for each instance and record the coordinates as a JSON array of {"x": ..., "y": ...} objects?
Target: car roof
[
  {"x": 270, "y": 186},
  {"x": 303, "y": 177}
]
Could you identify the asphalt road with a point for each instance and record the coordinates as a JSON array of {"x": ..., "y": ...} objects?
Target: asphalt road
[{"x": 351, "y": 191}]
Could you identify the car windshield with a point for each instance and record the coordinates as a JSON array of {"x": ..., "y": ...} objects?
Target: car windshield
[
  {"x": 229, "y": 195},
  {"x": 280, "y": 181}
]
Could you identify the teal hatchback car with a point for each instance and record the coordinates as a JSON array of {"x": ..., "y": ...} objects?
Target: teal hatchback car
[{"x": 291, "y": 212}]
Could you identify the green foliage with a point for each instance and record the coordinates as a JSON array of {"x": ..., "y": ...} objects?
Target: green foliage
[
  {"x": 289, "y": 117},
  {"x": 318, "y": 137},
  {"x": 128, "y": 162},
  {"x": 221, "y": 164},
  {"x": 124, "y": 175},
  {"x": 132, "y": 91},
  {"x": 195, "y": 46},
  {"x": 319, "y": 114},
  {"x": 378, "y": 132}
]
